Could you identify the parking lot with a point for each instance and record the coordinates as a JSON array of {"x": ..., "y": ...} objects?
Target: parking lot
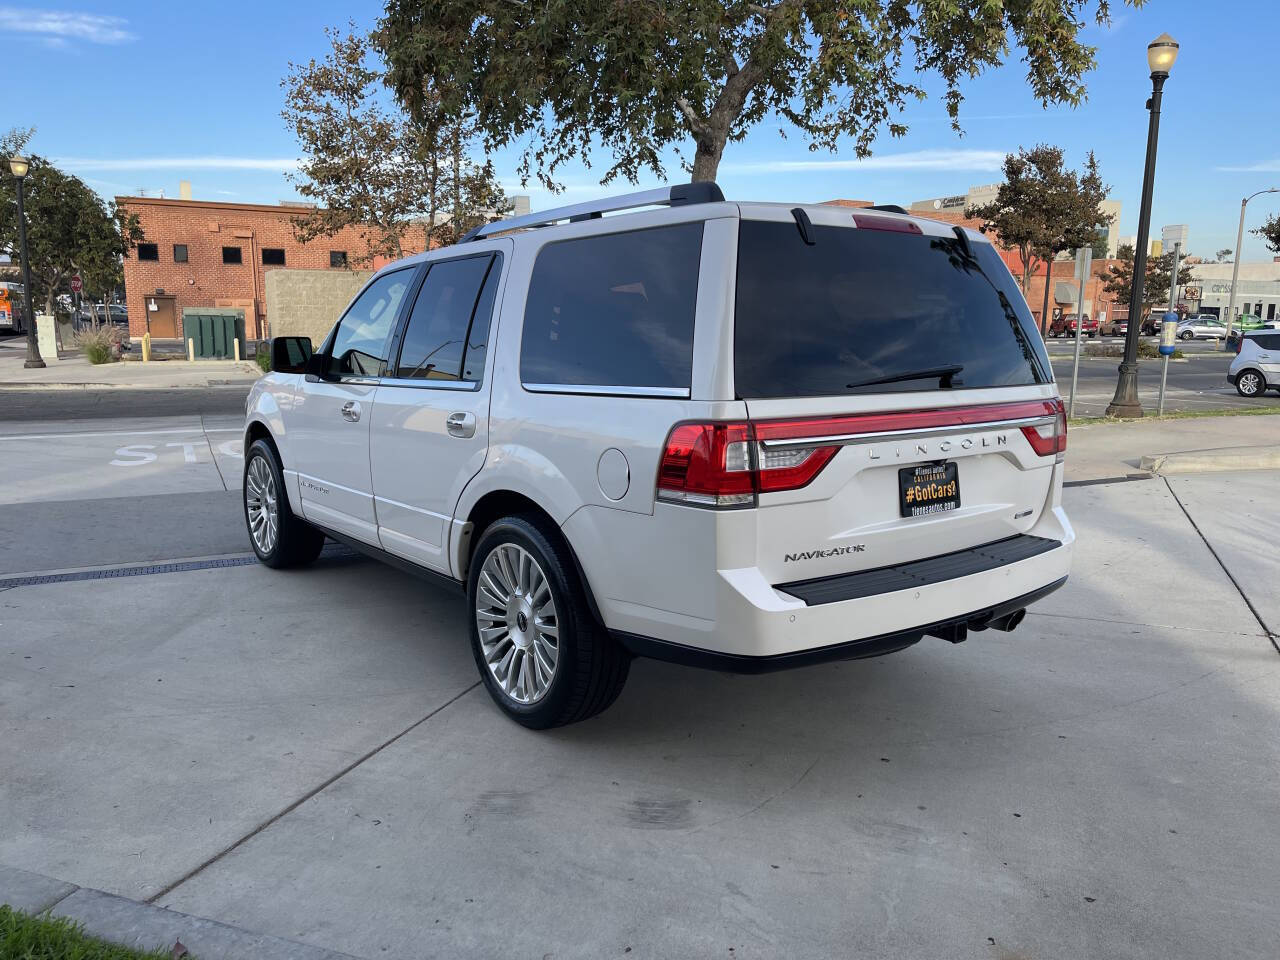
[{"x": 308, "y": 754}]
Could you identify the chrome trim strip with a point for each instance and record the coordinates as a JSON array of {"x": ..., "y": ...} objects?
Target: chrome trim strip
[
  {"x": 425, "y": 384},
  {"x": 843, "y": 440},
  {"x": 599, "y": 390}
]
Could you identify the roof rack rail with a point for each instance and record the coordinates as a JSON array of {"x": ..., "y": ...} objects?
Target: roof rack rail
[{"x": 675, "y": 196}]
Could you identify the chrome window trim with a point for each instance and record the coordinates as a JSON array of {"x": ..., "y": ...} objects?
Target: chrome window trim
[
  {"x": 602, "y": 390},
  {"x": 843, "y": 440},
  {"x": 424, "y": 384}
]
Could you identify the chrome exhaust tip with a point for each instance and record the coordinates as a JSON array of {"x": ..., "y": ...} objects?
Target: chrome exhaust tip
[{"x": 1008, "y": 622}]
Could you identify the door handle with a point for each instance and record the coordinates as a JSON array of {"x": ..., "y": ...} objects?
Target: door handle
[
  {"x": 351, "y": 411},
  {"x": 461, "y": 424}
]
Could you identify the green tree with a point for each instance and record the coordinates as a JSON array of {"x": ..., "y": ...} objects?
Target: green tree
[
  {"x": 1270, "y": 232},
  {"x": 639, "y": 77},
  {"x": 69, "y": 230},
  {"x": 370, "y": 165},
  {"x": 1155, "y": 288},
  {"x": 1043, "y": 209}
]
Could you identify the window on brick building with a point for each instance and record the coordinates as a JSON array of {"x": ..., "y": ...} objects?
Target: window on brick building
[
  {"x": 338, "y": 259},
  {"x": 272, "y": 257},
  {"x": 148, "y": 251},
  {"x": 179, "y": 253},
  {"x": 231, "y": 255}
]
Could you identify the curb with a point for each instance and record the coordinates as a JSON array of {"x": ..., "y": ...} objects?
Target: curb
[
  {"x": 207, "y": 385},
  {"x": 1211, "y": 461},
  {"x": 146, "y": 927}
]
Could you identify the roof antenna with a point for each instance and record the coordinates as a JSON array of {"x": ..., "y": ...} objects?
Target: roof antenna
[{"x": 804, "y": 226}]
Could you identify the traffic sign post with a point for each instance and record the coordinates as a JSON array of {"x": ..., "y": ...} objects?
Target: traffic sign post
[
  {"x": 1169, "y": 328},
  {"x": 77, "y": 283},
  {"x": 1084, "y": 261}
]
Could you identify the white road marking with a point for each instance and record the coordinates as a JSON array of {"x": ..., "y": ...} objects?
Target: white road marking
[
  {"x": 141, "y": 450},
  {"x": 189, "y": 449}
]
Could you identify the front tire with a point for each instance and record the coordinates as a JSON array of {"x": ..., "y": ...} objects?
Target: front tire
[
  {"x": 279, "y": 537},
  {"x": 1186, "y": 335},
  {"x": 542, "y": 656},
  {"x": 1250, "y": 383}
]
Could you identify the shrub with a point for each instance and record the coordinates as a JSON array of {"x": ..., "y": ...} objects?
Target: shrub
[
  {"x": 100, "y": 345},
  {"x": 263, "y": 355}
]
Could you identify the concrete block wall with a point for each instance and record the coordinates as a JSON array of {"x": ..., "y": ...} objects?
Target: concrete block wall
[{"x": 307, "y": 303}]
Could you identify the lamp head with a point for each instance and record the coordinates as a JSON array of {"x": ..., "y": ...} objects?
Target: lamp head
[
  {"x": 1161, "y": 54},
  {"x": 18, "y": 166}
]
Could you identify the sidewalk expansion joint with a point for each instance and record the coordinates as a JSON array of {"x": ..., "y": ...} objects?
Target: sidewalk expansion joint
[
  {"x": 169, "y": 888},
  {"x": 1105, "y": 480},
  {"x": 1266, "y": 631}
]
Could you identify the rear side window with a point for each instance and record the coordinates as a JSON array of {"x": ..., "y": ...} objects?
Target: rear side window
[
  {"x": 1266, "y": 341},
  {"x": 874, "y": 311},
  {"x": 435, "y": 339},
  {"x": 614, "y": 310}
]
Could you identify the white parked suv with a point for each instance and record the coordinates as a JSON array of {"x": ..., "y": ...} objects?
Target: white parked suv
[
  {"x": 1256, "y": 367},
  {"x": 744, "y": 436}
]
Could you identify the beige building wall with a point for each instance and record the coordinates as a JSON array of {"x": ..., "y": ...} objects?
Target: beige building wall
[{"x": 307, "y": 303}]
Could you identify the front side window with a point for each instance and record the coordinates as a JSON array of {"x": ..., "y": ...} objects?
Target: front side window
[
  {"x": 615, "y": 310},
  {"x": 435, "y": 339},
  {"x": 360, "y": 343}
]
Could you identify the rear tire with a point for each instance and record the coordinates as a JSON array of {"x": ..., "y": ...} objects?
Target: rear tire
[
  {"x": 1250, "y": 383},
  {"x": 279, "y": 537},
  {"x": 544, "y": 658},
  {"x": 1186, "y": 335}
]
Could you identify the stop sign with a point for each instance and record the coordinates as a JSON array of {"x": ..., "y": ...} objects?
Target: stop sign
[{"x": 77, "y": 284}]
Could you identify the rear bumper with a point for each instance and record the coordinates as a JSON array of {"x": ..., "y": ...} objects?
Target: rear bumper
[
  {"x": 759, "y": 626},
  {"x": 849, "y": 650}
]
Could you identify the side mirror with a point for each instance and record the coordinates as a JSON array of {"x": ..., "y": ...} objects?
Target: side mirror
[{"x": 290, "y": 354}]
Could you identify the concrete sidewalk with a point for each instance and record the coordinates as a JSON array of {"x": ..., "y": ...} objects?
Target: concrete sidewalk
[
  {"x": 306, "y": 755},
  {"x": 75, "y": 372},
  {"x": 1098, "y": 451}
]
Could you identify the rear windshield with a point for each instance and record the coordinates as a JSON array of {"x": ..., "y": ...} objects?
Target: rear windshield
[{"x": 873, "y": 311}]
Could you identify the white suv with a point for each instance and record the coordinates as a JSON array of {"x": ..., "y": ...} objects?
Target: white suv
[
  {"x": 1256, "y": 367},
  {"x": 743, "y": 436}
]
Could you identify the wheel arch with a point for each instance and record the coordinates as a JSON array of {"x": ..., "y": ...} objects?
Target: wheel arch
[
  {"x": 256, "y": 430},
  {"x": 499, "y": 503}
]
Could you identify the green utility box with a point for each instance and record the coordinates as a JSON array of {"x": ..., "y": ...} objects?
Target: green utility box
[{"x": 214, "y": 331}]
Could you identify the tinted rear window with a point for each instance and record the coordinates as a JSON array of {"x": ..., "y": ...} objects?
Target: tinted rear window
[
  {"x": 861, "y": 305},
  {"x": 1266, "y": 341},
  {"x": 614, "y": 310}
]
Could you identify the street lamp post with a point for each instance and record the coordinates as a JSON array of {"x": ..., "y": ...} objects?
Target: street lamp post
[
  {"x": 1161, "y": 54},
  {"x": 1235, "y": 267},
  {"x": 18, "y": 166}
]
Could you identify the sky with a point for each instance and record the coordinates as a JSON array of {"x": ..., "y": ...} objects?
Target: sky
[{"x": 140, "y": 95}]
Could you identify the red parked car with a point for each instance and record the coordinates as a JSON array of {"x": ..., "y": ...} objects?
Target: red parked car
[{"x": 1065, "y": 325}]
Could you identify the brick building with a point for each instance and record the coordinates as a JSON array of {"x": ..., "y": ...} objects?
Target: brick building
[{"x": 204, "y": 254}]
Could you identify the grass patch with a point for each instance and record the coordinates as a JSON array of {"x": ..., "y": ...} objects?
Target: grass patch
[
  {"x": 1184, "y": 415},
  {"x": 99, "y": 346},
  {"x": 24, "y": 937}
]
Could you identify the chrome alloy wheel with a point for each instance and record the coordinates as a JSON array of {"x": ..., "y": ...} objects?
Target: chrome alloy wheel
[
  {"x": 1250, "y": 384},
  {"x": 262, "y": 506},
  {"x": 516, "y": 620}
]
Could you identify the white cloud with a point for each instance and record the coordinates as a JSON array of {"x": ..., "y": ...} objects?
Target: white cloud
[
  {"x": 62, "y": 26},
  {"x": 1262, "y": 166},
  {"x": 279, "y": 164},
  {"x": 915, "y": 160}
]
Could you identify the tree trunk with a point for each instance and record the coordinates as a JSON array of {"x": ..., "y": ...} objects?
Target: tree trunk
[
  {"x": 706, "y": 160},
  {"x": 1044, "y": 311}
]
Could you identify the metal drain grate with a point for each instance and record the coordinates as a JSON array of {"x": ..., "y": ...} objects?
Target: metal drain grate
[{"x": 176, "y": 566}]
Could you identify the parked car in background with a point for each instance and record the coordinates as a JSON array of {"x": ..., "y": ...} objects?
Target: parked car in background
[
  {"x": 599, "y": 432},
  {"x": 1203, "y": 327},
  {"x": 1065, "y": 326},
  {"x": 1256, "y": 368},
  {"x": 1111, "y": 327}
]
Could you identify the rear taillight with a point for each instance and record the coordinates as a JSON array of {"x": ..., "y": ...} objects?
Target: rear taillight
[
  {"x": 725, "y": 465},
  {"x": 1239, "y": 344},
  {"x": 730, "y": 464},
  {"x": 1049, "y": 439}
]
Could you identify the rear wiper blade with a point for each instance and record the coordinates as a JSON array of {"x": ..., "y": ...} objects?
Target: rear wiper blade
[{"x": 942, "y": 374}]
